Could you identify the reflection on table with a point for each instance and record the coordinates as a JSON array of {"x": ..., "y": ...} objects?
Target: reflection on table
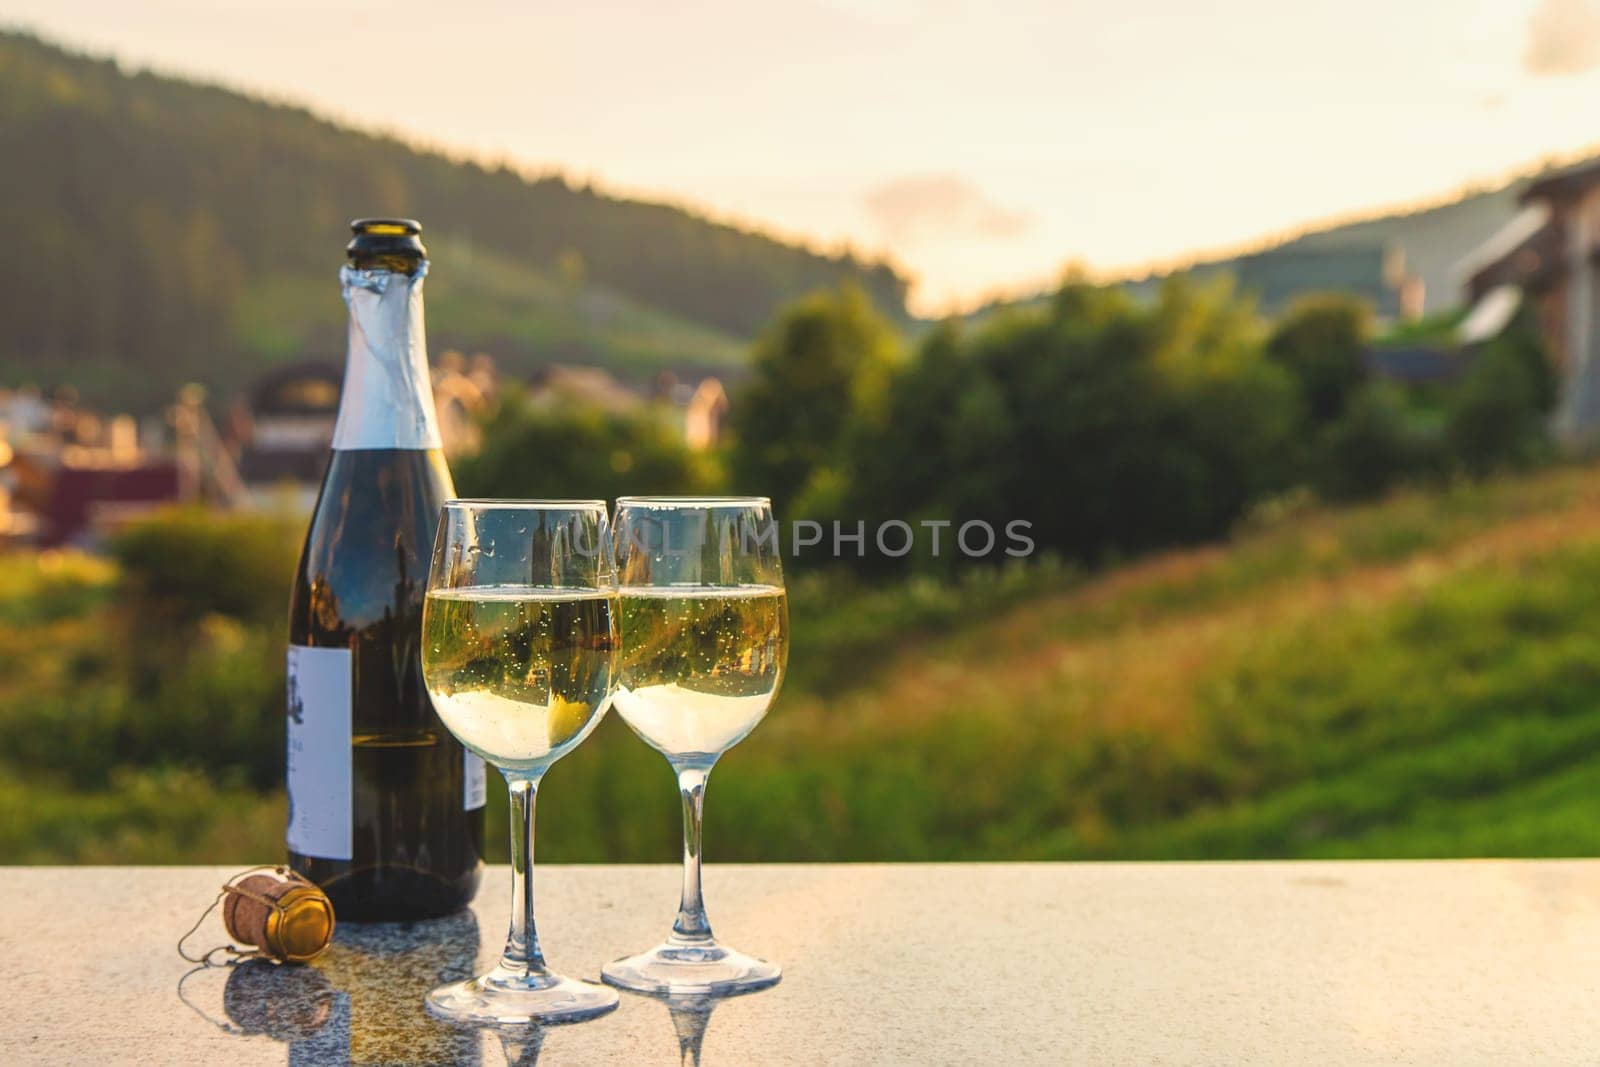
[{"x": 361, "y": 1002}]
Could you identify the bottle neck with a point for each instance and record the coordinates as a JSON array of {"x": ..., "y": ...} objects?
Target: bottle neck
[{"x": 388, "y": 393}]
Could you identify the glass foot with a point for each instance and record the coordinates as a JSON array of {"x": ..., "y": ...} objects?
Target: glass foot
[
  {"x": 508, "y": 998},
  {"x": 676, "y": 969}
]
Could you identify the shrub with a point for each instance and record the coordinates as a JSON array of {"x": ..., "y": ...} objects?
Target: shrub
[
  {"x": 563, "y": 451},
  {"x": 190, "y": 563},
  {"x": 1496, "y": 417},
  {"x": 1374, "y": 446}
]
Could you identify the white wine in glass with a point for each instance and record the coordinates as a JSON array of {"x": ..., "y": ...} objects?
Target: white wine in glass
[
  {"x": 518, "y": 672},
  {"x": 705, "y": 664},
  {"x": 705, "y": 641}
]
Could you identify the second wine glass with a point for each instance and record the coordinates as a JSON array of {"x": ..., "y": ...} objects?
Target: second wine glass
[{"x": 705, "y": 641}]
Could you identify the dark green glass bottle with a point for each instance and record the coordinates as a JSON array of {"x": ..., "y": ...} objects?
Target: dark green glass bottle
[{"x": 385, "y": 806}]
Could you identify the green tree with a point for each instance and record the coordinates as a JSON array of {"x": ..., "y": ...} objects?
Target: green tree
[
  {"x": 821, "y": 372},
  {"x": 1112, "y": 427},
  {"x": 1320, "y": 341},
  {"x": 1236, "y": 412},
  {"x": 558, "y": 451},
  {"x": 1375, "y": 445},
  {"x": 935, "y": 405},
  {"x": 1496, "y": 416}
]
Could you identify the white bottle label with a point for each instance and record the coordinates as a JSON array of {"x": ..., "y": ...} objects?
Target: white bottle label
[
  {"x": 474, "y": 782},
  {"x": 388, "y": 391},
  {"x": 320, "y": 781}
]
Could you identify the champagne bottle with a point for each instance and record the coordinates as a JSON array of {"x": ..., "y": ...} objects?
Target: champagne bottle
[{"x": 385, "y": 806}]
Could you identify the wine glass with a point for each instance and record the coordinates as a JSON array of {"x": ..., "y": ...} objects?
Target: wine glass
[
  {"x": 519, "y": 638},
  {"x": 705, "y": 640}
]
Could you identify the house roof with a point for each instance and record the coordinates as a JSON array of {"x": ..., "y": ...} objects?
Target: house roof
[
  {"x": 309, "y": 388},
  {"x": 78, "y": 489},
  {"x": 1518, "y": 231},
  {"x": 1490, "y": 315},
  {"x": 1415, "y": 364},
  {"x": 589, "y": 385}
]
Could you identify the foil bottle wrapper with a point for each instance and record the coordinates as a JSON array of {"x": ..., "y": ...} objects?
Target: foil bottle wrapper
[{"x": 388, "y": 392}]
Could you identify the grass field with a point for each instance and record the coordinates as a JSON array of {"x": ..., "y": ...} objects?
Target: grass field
[{"x": 1419, "y": 677}]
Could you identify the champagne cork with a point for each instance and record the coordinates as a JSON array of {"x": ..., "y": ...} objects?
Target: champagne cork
[{"x": 282, "y": 914}]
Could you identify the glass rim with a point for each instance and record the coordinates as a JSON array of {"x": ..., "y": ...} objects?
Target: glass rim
[
  {"x": 512, "y": 504},
  {"x": 696, "y": 501}
]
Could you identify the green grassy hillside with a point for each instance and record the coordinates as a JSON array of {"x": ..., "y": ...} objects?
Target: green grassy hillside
[
  {"x": 159, "y": 230},
  {"x": 1419, "y": 677}
]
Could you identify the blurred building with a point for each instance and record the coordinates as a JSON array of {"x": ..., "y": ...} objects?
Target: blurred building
[
  {"x": 1416, "y": 364},
  {"x": 1546, "y": 256},
  {"x": 463, "y": 390},
  {"x": 595, "y": 387},
  {"x": 69, "y": 475},
  {"x": 704, "y": 415},
  {"x": 88, "y": 501},
  {"x": 700, "y": 409},
  {"x": 281, "y": 432},
  {"x": 282, "y": 429}
]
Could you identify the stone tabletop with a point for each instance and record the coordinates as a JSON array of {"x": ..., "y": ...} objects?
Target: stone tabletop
[{"x": 1297, "y": 963}]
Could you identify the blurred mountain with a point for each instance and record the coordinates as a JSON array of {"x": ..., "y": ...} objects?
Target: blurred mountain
[
  {"x": 1431, "y": 240},
  {"x": 159, "y": 231},
  {"x": 1365, "y": 256},
  {"x": 1370, "y": 256}
]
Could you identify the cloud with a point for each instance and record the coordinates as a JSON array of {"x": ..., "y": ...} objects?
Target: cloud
[
  {"x": 1563, "y": 37},
  {"x": 942, "y": 206}
]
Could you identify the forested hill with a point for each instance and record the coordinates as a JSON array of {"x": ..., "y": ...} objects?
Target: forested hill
[
  {"x": 1432, "y": 239},
  {"x": 158, "y": 231}
]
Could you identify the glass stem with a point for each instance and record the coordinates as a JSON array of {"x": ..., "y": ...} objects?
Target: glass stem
[
  {"x": 692, "y": 926},
  {"x": 522, "y": 956}
]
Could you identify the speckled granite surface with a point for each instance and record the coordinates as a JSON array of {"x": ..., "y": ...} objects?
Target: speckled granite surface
[{"x": 1428, "y": 963}]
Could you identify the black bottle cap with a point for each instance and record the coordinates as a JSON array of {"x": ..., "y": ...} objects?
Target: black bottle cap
[{"x": 385, "y": 242}]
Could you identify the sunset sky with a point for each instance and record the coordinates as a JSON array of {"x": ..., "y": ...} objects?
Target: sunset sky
[{"x": 980, "y": 145}]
